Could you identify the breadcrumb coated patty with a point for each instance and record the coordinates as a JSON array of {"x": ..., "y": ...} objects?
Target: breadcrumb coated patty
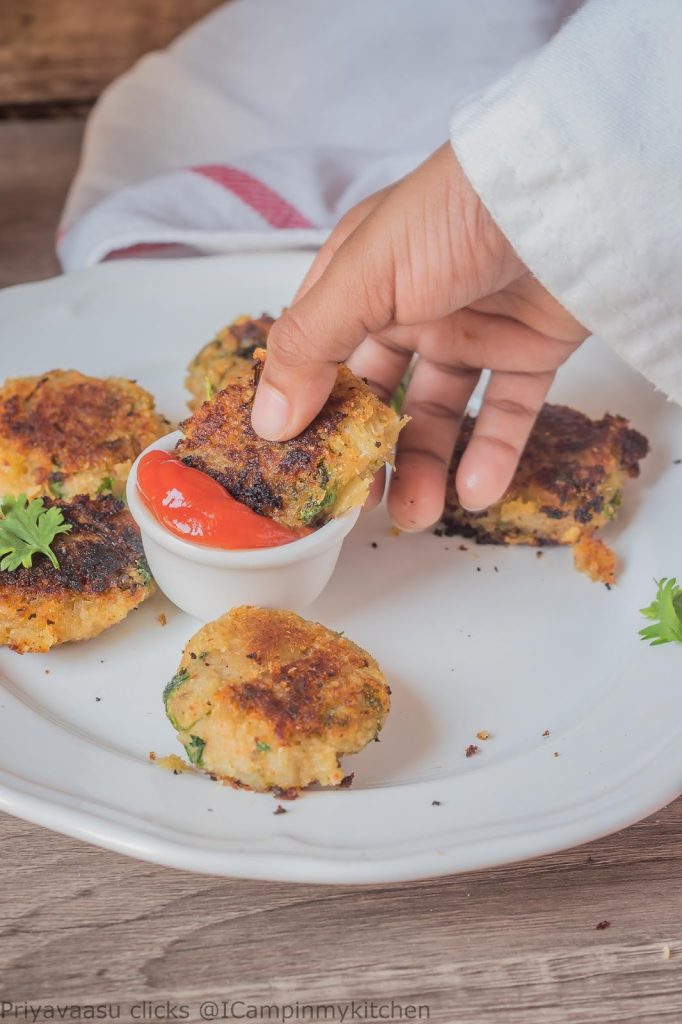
[
  {"x": 314, "y": 477},
  {"x": 66, "y": 434},
  {"x": 269, "y": 701},
  {"x": 102, "y": 576},
  {"x": 227, "y": 356},
  {"x": 569, "y": 481}
]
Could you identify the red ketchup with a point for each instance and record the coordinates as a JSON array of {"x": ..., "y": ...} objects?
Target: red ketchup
[{"x": 194, "y": 507}]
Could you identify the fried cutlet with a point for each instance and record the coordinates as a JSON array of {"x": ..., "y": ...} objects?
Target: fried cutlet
[
  {"x": 269, "y": 701},
  {"x": 568, "y": 484},
  {"x": 65, "y": 434},
  {"x": 102, "y": 576},
  {"x": 228, "y": 355},
  {"x": 314, "y": 477}
]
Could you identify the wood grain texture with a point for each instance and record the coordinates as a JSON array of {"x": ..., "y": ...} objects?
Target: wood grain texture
[
  {"x": 37, "y": 161},
  {"x": 517, "y": 945},
  {"x": 56, "y": 50}
]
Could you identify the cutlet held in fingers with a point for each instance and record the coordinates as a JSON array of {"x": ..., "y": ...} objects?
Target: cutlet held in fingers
[
  {"x": 266, "y": 700},
  {"x": 314, "y": 477},
  {"x": 101, "y": 575},
  {"x": 569, "y": 483},
  {"x": 64, "y": 434},
  {"x": 228, "y": 356}
]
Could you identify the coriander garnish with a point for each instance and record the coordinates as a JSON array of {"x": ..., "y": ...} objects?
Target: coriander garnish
[
  {"x": 27, "y": 528},
  {"x": 665, "y": 611}
]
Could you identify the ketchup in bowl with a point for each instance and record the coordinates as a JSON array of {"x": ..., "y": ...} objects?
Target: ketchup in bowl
[{"x": 195, "y": 508}]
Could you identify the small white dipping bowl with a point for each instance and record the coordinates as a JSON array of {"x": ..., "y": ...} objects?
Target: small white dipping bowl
[{"x": 206, "y": 582}]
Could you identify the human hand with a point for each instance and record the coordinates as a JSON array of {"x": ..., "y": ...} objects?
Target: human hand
[{"x": 421, "y": 267}]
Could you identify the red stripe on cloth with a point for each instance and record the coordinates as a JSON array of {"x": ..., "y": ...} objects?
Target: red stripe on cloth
[
  {"x": 140, "y": 249},
  {"x": 271, "y": 206}
]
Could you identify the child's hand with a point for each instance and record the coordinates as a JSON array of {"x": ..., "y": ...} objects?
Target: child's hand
[{"x": 421, "y": 267}]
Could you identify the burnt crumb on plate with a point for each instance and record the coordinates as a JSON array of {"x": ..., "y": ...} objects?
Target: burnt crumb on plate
[
  {"x": 471, "y": 750},
  {"x": 285, "y": 794},
  {"x": 603, "y": 925},
  {"x": 677, "y": 462},
  {"x": 435, "y": 803},
  {"x": 437, "y": 532},
  {"x": 546, "y": 732},
  {"x": 539, "y": 554},
  {"x": 374, "y": 544},
  {"x": 347, "y": 781},
  {"x": 462, "y": 547},
  {"x": 98, "y": 699},
  {"x": 556, "y": 754},
  {"x": 280, "y": 810}
]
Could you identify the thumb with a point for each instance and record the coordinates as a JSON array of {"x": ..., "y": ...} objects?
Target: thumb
[{"x": 352, "y": 298}]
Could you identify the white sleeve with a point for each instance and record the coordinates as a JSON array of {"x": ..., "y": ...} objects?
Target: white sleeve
[{"x": 577, "y": 154}]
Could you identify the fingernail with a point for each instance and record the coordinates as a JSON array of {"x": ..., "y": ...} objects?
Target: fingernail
[
  {"x": 271, "y": 412},
  {"x": 466, "y": 492}
]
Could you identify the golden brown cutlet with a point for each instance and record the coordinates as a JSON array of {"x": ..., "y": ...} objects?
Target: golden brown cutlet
[
  {"x": 102, "y": 576},
  {"x": 227, "y": 356},
  {"x": 267, "y": 700},
  {"x": 319, "y": 475},
  {"x": 66, "y": 434},
  {"x": 569, "y": 481}
]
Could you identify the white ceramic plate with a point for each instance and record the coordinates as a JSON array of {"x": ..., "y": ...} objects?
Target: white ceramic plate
[{"x": 486, "y": 638}]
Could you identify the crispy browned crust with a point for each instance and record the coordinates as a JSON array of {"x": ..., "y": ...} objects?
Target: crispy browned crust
[
  {"x": 301, "y": 684},
  {"x": 271, "y": 679},
  {"x": 228, "y": 356},
  {"x": 289, "y": 481},
  {"x": 593, "y": 557},
  {"x": 64, "y": 424},
  {"x": 103, "y": 549},
  {"x": 102, "y": 575},
  {"x": 568, "y": 482}
]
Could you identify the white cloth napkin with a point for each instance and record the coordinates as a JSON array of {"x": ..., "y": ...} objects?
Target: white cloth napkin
[{"x": 268, "y": 119}]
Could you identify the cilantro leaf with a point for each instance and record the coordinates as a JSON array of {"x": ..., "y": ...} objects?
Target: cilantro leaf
[
  {"x": 665, "y": 611},
  {"x": 27, "y": 528}
]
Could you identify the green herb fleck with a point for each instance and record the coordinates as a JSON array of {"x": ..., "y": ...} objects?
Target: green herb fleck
[
  {"x": 144, "y": 572},
  {"x": 195, "y": 749},
  {"x": 180, "y": 677},
  {"x": 264, "y": 747},
  {"x": 107, "y": 484},
  {"x": 665, "y": 611},
  {"x": 209, "y": 389},
  {"x": 55, "y": 483},
  {"x": 613, "y": 505},
  {"x": 371, "y": 697},
  {"x": 313, "y": 509},
  {"x": 27, "y": 528}
]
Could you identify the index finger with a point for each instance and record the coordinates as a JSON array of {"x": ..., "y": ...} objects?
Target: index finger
[{"x": 352, "y": 298}]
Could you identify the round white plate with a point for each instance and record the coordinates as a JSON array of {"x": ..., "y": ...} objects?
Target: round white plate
[{"x": 486, "y": 638}]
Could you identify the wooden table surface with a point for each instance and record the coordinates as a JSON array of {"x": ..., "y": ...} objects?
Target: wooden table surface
[{"x": 518, "y": 945}]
